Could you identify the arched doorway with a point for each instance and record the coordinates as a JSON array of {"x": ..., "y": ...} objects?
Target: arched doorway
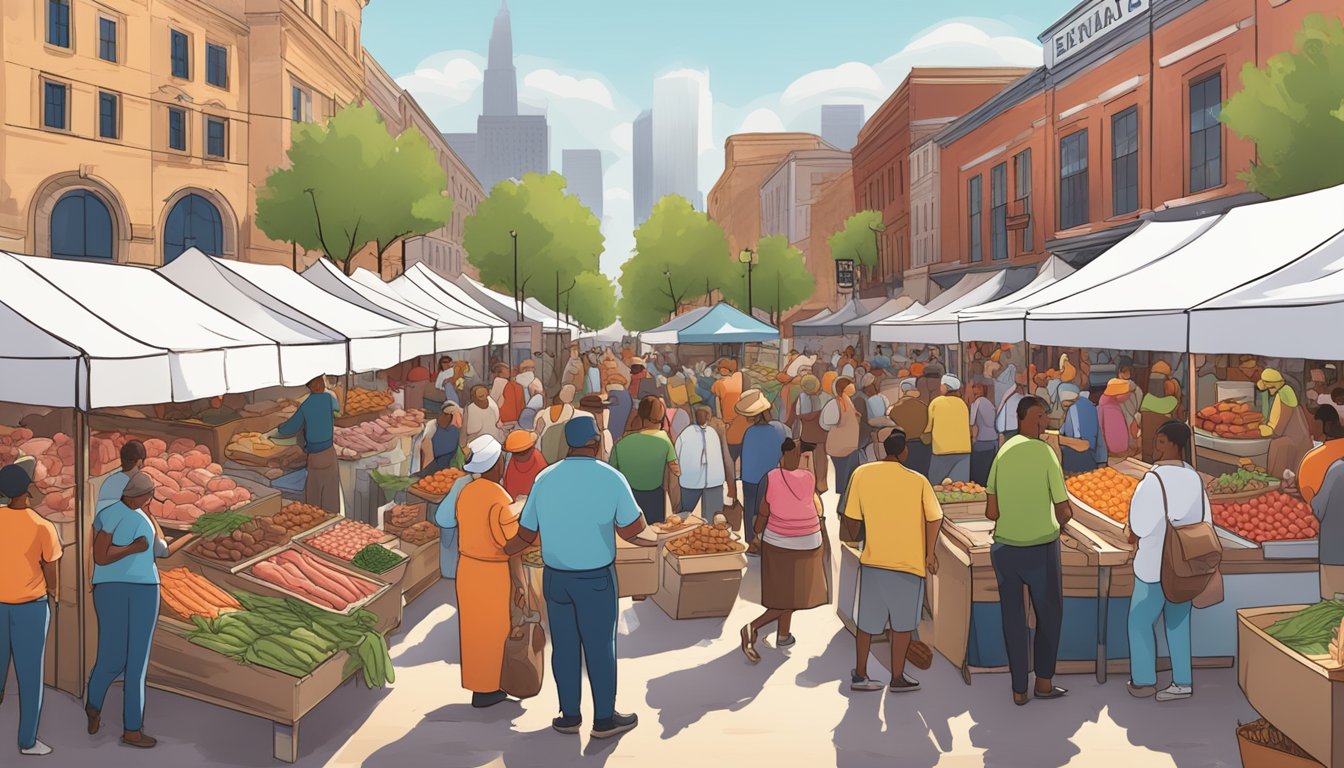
[
  {"x": 81, "y": 227},
  {"x": 194, "y": 222}
]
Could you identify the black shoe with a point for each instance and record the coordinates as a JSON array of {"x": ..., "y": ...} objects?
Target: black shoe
[
  {"x": 904, "y": 685},
  {"x": 566, "y": 724},
  {"x": 483, "y": 700},
  {"x": 614, "y": 726}
]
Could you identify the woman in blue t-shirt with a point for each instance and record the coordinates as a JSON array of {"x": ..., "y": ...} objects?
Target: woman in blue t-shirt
[{"x": 126, "y": 598}]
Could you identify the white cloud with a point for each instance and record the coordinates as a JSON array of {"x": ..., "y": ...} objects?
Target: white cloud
[{"x": 585, "y": 111}]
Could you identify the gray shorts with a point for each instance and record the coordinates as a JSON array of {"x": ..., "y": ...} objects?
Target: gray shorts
[{"x": 894, "y": 598}]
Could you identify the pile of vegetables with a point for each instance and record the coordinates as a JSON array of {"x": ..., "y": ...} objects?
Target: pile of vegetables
[
  {"x": 1310, "y": 631},
  {"x": 376, "y": 558},
  {"x": 1231, "y": 418},
  {"x": 1262, "y": 733},
  {"x": 292, "y": 637},
  {"x": 215, "y": 524},
  {"x": 188, "y": 594},
  {"x": 1272, "y": 516},
  {"x": 1241, "y": 481},
  {"x": 950, "y": 492}
]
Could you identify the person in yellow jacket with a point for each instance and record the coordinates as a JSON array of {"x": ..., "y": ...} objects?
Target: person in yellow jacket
[{"x": 1287, "y": 427}]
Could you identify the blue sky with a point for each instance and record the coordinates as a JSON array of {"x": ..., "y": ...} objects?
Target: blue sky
[{"x": 762, "y": 65}]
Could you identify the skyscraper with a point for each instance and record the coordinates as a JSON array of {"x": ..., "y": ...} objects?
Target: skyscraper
[
  {"x": 643, "y": 145},
  {"x": 582, "y": 169},
  {"x": 676, "y": 136},
  {"x": 506, "y": 145},
  {"x": 840, "y": 124}
]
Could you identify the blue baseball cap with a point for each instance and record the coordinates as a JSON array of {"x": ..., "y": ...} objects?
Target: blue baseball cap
[{"x": 580, "y": 431}]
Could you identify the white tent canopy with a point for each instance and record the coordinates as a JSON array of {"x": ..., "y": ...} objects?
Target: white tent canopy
[
  {"x": 503, "y": 305},
  {"x": 454, "y": 330},
  {"x": 811, "y": 325},
  {"x": 1148, "y": 308},
  {"x": 1307, "y": 295},
  {"x": 375, "y": 342},
  {"x": 445, "y": 292},
  {"x": 1006, "y": 320},
  {"x": 888, "y": 308},
  {"x": 90, "y": 335},
  {"x": 554, "y": 321},
  {"x": 307, "y": 347},
  {"x": 895, "y": 329},
  {"x": 968, "y": 325},
  {"x": 612, "y": 334}
]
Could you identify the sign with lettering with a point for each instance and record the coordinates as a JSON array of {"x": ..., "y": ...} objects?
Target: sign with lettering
[
  {"x": 844, "y": 274},
  {"x": 1091, "y": 23}
]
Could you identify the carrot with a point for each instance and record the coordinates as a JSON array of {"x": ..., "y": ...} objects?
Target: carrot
[{"x": 173, "y": 603}]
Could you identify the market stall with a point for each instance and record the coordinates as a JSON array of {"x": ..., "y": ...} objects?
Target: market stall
[{"x": 705, "y": 334}]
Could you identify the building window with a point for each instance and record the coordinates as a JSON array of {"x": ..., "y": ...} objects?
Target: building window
[
  {"x": 179, "y": 50},
  {"x": 107, "y": 39},
  {"x": 301, "y": 104},
  {"x": 998, "y": 212},
  {"x": 177, "y": 129},
  {"x": 194, "y": 222},
  {"x": 973, "y": 193},
  {"x": 81, "y": 227},
  {"x": 108, "y": 107},
  {"x": 216, "y": 136},
  {"x": 1206, "y": 134},
  {"x": 56, "y": 105},
  {"x": 1073, "y": 180},
  {"x": 324, "y": 15},
  {"x": 1022, "y": 178},
  {"x": 58, "y": 23},
  {"x": 1125, "y": 162},
  {"x": 217, "y": 65}
]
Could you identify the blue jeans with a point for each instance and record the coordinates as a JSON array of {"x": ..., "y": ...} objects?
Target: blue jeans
[
  {"x": 751, "y": 502},
  {"x": 1145, "y": 606},
  {"x": 1038, "y": 569},
  {"x": 581, "y": 607},
  {"x": 844, "y": 468},
  {"x": 127, "y": 614},
  {"x": 23, "y": 636}
]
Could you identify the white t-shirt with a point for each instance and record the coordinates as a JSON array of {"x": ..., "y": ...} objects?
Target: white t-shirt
[{"x": 1187, "y": 504}]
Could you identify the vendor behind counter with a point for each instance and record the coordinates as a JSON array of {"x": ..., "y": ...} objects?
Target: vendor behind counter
[{"x": 1287, "y": 425}]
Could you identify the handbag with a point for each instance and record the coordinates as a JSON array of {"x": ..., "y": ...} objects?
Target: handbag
[
  {"x": 1191, "y": 555},
  {"x": 525, "y": 656}
]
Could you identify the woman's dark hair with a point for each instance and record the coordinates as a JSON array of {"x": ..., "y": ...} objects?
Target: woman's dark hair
[
  {"x": 894, "y": 442},
  {"x": 133, "y": 451},
  {"x": 1178, "y": 434},
  {"x": 1329, "y": 418},
  {"x": 1027, "y": 403},
  {"x": 646, "y": 406},
  {"x": 838, "y": 386},
  {"x": 788, "y": 445}
]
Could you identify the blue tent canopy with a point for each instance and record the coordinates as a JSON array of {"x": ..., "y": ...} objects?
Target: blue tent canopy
[{"x": 720, "y": 324}]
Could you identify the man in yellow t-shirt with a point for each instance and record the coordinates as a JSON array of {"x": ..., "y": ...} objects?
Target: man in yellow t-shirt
[
  {"x": 894, "y": 511},
  {"x": 950, "y": 427}
]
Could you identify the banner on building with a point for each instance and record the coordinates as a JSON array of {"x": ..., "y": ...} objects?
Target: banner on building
[{"x": 844, "y": 274}]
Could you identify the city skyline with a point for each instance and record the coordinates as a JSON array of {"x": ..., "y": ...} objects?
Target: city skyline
[{"x": 590, "y": 101}]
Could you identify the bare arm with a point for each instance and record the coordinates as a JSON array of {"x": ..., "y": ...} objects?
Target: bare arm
[
  {"x": 675, "y": 467},
  {"x": 52, "y": 573},
  {"x": 1064, "y": 512},
  {"x": 631, "y": 534},
  {"x": 992, "y": 507},
  {"x": 931, "y": 529},
  {"x": 107, "y": 553},
  {"x": 849, "y": 530},
  {"x": 524, "y": 539},
  {"x": 762, "y": 516}
]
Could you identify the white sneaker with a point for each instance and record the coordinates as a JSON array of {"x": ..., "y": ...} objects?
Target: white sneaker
[
  {"x": 1174, "y": 692},
  {"x": 37, "y": 750}
]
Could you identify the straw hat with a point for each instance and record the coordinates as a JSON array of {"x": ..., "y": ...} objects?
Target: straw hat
[{"x": 752, "y": 403}]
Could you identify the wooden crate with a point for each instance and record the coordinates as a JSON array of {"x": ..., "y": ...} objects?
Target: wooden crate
[{"x": 422, "y": 570}]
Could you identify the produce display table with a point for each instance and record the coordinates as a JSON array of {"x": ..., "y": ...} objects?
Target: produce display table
[
  {"x": 422, "y": 569},
  {"x": 213, "y": 436}
]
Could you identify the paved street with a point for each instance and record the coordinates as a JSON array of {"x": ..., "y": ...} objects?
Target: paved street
[{"x": 697, "y": 698}]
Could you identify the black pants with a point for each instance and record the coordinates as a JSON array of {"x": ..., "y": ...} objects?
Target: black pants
[{"x": 1036, "y": 568}]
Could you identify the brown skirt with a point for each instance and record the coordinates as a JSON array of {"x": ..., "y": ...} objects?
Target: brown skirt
[{"x": 792, "y": 579}]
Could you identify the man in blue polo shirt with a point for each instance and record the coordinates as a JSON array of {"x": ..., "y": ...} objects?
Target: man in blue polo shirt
[
  {"x": 578, "y": 506},
  {"x": 316, "y": 420}
]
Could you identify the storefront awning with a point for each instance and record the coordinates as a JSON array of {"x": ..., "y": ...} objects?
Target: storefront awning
[
  {"x": 454, "y": 330},
  {"x": 88, "y": 335},
  {"x": 1147, "y": 308},
  {"x": 1292, "y": 312},
  {"x": 888, "y": 308},
  {"x": 896, "y": 329},
  {"x": 719, "y": 324}
]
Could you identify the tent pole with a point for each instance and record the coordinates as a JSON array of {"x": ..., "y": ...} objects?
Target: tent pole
[{"x": 82, "y": 522}]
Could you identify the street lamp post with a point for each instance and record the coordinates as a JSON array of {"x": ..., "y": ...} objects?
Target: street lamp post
[
  {"x": 517, "y": 301},
  {"x": 748, "y": 257}
]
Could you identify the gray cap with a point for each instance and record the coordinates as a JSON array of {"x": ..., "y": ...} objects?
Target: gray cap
[{"x": 140, "y": 484}]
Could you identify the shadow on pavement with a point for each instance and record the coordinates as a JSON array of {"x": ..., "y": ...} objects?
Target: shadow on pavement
[
  {"x": 726, "y": 684},
  {"x": 645, "y": 630}
]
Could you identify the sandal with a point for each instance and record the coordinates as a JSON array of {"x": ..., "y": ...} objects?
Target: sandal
[{"x": 749, "y": 644}]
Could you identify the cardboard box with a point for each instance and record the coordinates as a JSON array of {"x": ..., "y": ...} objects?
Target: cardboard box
[
  {"x": 700, "y": 586},
  {"x": 636, "y": 569},
  {"x": 1301, "y": 698}
]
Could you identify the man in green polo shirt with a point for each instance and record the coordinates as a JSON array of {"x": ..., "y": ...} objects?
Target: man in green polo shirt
[
  {"x": 644, "y": 457},
  {"x": 1028, "y": 504}
]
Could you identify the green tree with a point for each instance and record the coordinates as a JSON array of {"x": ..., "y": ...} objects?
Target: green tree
[
  {"x": 592, "y": 301},
  {"x": 1293, "y": 109},
  {"x": 780, "y": 279},
  {"x": 857, "y": 240},
  {"x": 557, "y": 239},
  {"x": 680, "y": 255},
  {"x": 350, "y": 183}
]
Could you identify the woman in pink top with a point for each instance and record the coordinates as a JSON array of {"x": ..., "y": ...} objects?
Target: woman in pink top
[{"x": 789, "y": 527}]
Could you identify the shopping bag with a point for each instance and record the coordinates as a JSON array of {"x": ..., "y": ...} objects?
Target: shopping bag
[
  {"x": 524, "y": 659},
  {"x": 733, "y": 513}
]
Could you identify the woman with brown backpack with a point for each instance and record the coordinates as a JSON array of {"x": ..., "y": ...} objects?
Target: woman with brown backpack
[{"x": 1176, "y": 560}]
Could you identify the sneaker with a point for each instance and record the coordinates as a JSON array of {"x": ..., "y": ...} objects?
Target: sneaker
[
  {"x": 566, "y": 724},
  {"x": 786, "y": 641},
  {"x": 1174, "y": 692},
  {"x": 37, "y": 750},
  {"x": 859, "y": 682},
  {"x": 614, "y": 726},
  {"x": 905, "y": 685},
  {"x": 1140, "y": 691}
]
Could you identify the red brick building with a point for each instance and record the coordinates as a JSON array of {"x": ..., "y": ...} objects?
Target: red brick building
[
  {"x": 927, "y": 100},
  {"x": 1119, "y": 125}
]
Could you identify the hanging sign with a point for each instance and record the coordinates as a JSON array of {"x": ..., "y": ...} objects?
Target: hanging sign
[{"x": 844, "y": 274}]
